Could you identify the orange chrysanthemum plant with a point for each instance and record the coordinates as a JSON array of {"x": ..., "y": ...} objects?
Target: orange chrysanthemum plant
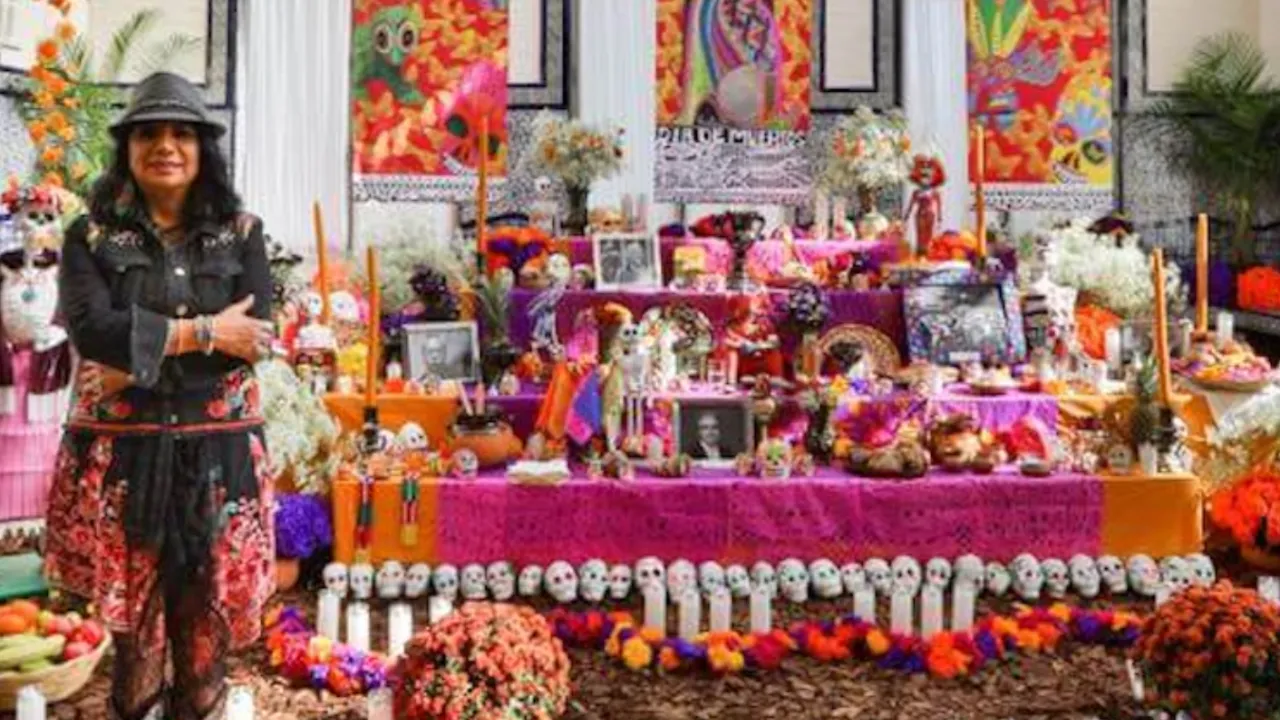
[
  {"x": 1249, "y": 509},
  {"x": 1212, "y": 653}
]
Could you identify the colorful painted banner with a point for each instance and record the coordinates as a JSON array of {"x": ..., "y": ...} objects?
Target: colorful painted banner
[
  {"x": 1040, "y": 82},
  {"x": 425, "y": 76},
  {"x": 733, "y": 85}
]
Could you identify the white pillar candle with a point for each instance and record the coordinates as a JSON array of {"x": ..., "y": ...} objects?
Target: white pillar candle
[
  {"x": 438, "y": 608},
  {"x": 1186, "y": 330},
  {"x": 328, "y": 612},
  {"x": 721, "y": 611},
  {"x": 240, "y": 704},
  {"x": 839, "y": 216},
  {"x": 1226, "y": 328},
  {"x": 31, "y": 704},
  {"x": 690, "y": 610},
  {"x": 821, "y": 215},
  {"x": 381, "y": 705},
  {"x": 930, "y": 612},
  {"x": 901, "y": 610},
  {"x": 1269, "y": 588},
  {"x": 962, "y": 601},
  {"x": 358, "y": 626},
  {"x": 1148, "y": 459},
  {"x": 761, "y": 610},
  {"x": 864, "y": 605},
  {"x": 1112, "y": 340},
  {"x": 1135, "y": 681},
  {"x": 399, "y": 628},
  {"x": 655, "y": 607}
]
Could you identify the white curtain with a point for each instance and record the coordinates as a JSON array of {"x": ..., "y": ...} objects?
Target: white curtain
[
  {"x": 617, "y": 45},
  {"x": 292, "y": 125},
  {"x": 935, "y": 98}
]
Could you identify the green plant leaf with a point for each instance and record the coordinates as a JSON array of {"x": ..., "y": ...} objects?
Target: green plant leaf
[
  {"x": 125, "y": 39},
  {"x": 163, "y": 54}
]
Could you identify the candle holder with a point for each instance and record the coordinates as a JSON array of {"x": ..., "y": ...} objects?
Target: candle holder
[{"x": 748, "y": 229}]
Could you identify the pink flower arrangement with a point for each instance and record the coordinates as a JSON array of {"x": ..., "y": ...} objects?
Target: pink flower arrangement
[{"x": 486, "y": 660}]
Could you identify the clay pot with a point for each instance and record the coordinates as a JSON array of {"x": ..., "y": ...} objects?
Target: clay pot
[
  {"x": 1260, "y": 558},
  {"x": 494, "y": 444},
  {"x": 287, "y": 570}
]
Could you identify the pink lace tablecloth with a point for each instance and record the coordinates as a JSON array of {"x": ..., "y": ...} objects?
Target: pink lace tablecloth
[
  {"x": 716, "y": 515},
  {"x": 27, "y": 452}
]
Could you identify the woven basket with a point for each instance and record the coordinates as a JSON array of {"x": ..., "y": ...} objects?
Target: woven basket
[{"x": 56, "y": 683}]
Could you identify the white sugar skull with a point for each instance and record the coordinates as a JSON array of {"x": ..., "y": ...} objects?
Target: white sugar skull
[
  {"x": 1201, "y": 567},
  {"x": 344, "y": 307},
  {"x": 1056, "y": 577},
  {"x": 649, "y": 571},
  {"x": 825, "y": 577},
  {"x": 1084, "y": 576},
  {"x": 411, "y": 438},
  {"x": 445, "y": 581},
  {"x": 465, "y": 465},
  {"x": 998, "y": 579},
  {"x": 739, "y": 582},
  {"x": 362, "y": 581},
  {"x": 969, "y": 572},
  {"x": 1143, "y": 574},
  {"x": 1023, "y": 559},
  {"x": 711, "y": 578},
  {"x": 853, "y": 577},
  {"x": 390, "y": 580},
  {"x": 473, "y": 582},
  {"x": 619, "y": 581},
  {"x": 1112, "y": 572},
  {"x": 937, "y": 573},
  {"x": 763, "y": 576},
  {"x": 681, "y": 577},
  {"x": 416, "y": 580},
  {"x": 559, "y": 269},
  {"x": 906, "y": 575},
  {"x": 793, "y": 580},
  {"x": 335, "y": 579},
  {"x": 561, "y": 582},
  {"x": 530, "y": 580},
  {"x": 501, "y": 580},
  {"x": 1175, "y": 573},
  {"x": 312, "y": 304},
  {"x": 1028, "y": 579},
  {"x": 593, "y": 580},
  {"x": 880, "y": 575}
]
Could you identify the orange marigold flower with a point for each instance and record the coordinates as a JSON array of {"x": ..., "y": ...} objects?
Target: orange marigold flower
[
  {"x": 38, "y": 131},
  {"x": 47, "y": 51},
  {"x": 56, "y": 85},
  {"x": 66, "y": 30},
  {"x": 67, "y": 133},
  {"x": 70, "y": 102},
  {"x": 44, "y": 99},
  {"x": 38, "y": 74},
  {"x": 54, "y": 179},
  {"x": 52, "y": 155},
  {"x": 56, "y": 121}
]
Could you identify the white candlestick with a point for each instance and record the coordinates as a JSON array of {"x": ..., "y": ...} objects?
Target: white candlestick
[
  {"x": 962, "y": 601},
  {"x": 437, "y": 609},
  {"x": 358, "y": 626},
  {"x": 399, "y": 628},
  {"x": 864, "y": 605},
  {"x": 690, "y": 609},
  {"x": 901, "y": 610},
  {"x": 328, "y": 612},
  {"x": 930, "y": 612},
  {"x": 1269, "y": 588},
  {"x": 381, "y": 705},
  {"x": 240, "y": 704},
  {"x": 31, "y": 704},
  {"x": 655, "y": 607},
  {"x": 1225, "y": 328},
  {"x": 721, "y": 611},
  {"x": 761, "y": 611},
  {"x": 1112, "y": 339},
  {"x": 1135, "y": 681}
]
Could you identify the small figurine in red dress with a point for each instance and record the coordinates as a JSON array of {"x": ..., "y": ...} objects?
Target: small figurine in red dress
[
  {"x": 927, "y": 175},
  {"x": 752, "y": 337}
]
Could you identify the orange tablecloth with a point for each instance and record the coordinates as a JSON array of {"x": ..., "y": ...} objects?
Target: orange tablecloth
[{"x": 435, "y": 413}]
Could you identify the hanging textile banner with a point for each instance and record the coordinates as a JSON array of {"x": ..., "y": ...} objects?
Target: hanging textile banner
[
  {"x": 1040, "y": 82},
  {"x": 733, "y": 100},
  {"x": 425, "y": 75}
]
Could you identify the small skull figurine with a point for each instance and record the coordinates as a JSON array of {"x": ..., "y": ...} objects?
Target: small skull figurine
[
  {"x": 681, "y": 576},
  {"x": 1023, "y": 559},
  {"x": 619, "y": 581},
  {"x": 1201, "y": 566},
  {"x": 937, "y": 573},
  {"x": 763, "y": 576},
  {"x": 825, "y": 577},
  {"x": 335, "y": 579},
  {"x": 906, "y": 575},
  {"x": 473, "y": 582},
  {"x": 465, "y": 465},
  {"x": 853, "y": 577},
  {"x": 880, "y": 575},
  {"x": 501, "y": 580},
  {"x": 411, "y": 438},
  {"x": 1175, "y": 573},
  {"x": 445, "y": 581},
  {"x": 711, "y": 578},
  {"x": 1056, "y": 577},
  {"x": 530, "y": 580},
  {"x": 969, "y": 571},
  {"x": 362, "y": 581},
  {"x": 1084, "y": 576},
  {"x": 1028, "y": 579},
  {"x": 1143, "y": 574},
  {"x": 390, "y": 580},
  {"x": 793, "y": 580},
  {"x": 1112, "y": 572},
  {"x": 739, "y": 582},
  {"x": 561, "y": 582},
  {"x": 593, "y": 580},
  {"x": 998, "y": 579},
  {"x": 649, "y": 571},
  {"x": 416, "y": 580}
]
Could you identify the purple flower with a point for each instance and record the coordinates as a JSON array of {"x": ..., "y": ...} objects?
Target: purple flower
[
  {"x": 373, "y": 674},
  {"x": 686, "y": 650},
  {"x": 302, "y": 526},
  {"x": 987, "y": 644},
  {"x": 319, "y": 675},
  {"x": 1088, "y": 628}
]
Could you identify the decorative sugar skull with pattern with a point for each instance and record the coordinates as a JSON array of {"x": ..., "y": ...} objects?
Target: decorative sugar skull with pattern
[
  {"x": 530, "y": 581},
  {"x": 362, "y": 581},
  {"x": 853, "y": 577},
  {"x": 390, "y": 580},
  {"x": 1056, "y": 577},
  {"x": 445, "y": 581},
  {"x": 880, "y": 575},
  {"x": 711, "y": 577},
  {"x": 411, "y": 438},
  {"x": 1113, "y": 574},
  {"x": 998, "y": 579},
  {"x": 561, "y": 581},
  {"x": 793, "y": 580},
  {"x": 937, "y": 573},
  {"x": 763, "y": 576},
  {"x": 620, "y": 581},
  {"x": 501, "y": 580},
  {"x": 825, "y": 578},
  {"x": 1084, "y": 576},
  {"x": 681, "y": 577},
  {"x": 1028, "y": 579},
  {"x": 417, "y": 580},
  {"x": 335, "y": 579},
  {"x": 969, "y": 572},
  {"x": 593, "y": 580},
  {"x": 466, "y": 465},
  {"x": 1144, "y": 574},
  {"x": 738, "y": 581},
  {"x": 473, "y": 582},
  {"x": 649, "y": 571},
  {"x": 906, "y": 575},
  {"x": 1202, "y": 573},
  {"x": 1175, "y": 573}
]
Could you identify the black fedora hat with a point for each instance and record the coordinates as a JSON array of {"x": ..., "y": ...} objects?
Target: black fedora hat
[{"x": 165, "y": 97}]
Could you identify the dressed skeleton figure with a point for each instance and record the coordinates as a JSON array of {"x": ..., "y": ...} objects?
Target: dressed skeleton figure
[
  {"x": 543, "y": 313},
  {"x": 634, "y": 362}
]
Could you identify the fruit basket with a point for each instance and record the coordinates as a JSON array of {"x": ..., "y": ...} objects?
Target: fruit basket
[{"x": 57, "y": 654}]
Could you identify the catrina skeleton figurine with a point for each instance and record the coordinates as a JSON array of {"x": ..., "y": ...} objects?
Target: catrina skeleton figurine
[{"x": 927, "y": 175}]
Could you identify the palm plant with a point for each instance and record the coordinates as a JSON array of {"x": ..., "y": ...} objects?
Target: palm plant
[{"x": 1227, "y": 115}]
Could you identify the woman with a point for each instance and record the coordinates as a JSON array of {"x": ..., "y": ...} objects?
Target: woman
[{"x": 161, "y": 507}]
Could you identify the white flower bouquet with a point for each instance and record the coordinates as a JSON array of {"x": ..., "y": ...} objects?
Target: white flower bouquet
[
  {"x": 868, "y": 152},
  {"x": 577, "y": 153},
  {"x": 301, "y": 436},
  {"x": 1114, "y": 275}
]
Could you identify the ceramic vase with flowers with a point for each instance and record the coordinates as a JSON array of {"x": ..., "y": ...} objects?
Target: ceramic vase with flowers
[
  {"x": 579, "y": 154},
  {"x": 805, "y": 313},
  {"x": 1249, "y": 509},
  {"x": 868, "y": 153}
]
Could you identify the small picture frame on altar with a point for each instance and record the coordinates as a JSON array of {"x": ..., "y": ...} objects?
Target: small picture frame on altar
[
  {"x": 442, "y": 351},
  {"x": 712, "y": 431},
  {"x": 626, "y": 261}
]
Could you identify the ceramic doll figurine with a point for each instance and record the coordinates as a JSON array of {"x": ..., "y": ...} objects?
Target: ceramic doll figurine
[
  {"x": 752, "y": 337},
  {"x": 927, "y": 174},
  {"x": 612, "y": 319}
]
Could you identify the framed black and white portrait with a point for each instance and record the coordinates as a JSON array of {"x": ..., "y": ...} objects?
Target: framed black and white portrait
[
  {"x": 627, "y": 261},
  {"x": 442, "y": 351},
  {"x": 712, "y": 431}
]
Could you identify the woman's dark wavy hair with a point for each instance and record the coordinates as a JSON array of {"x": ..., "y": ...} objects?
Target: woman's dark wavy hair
[{"x": 211, "y": 198}]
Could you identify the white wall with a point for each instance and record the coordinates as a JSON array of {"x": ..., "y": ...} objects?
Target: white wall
[{"x": 1174, "y": 27}]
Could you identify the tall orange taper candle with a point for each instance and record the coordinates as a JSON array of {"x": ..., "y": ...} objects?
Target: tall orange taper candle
[
  {"x": 1162, "y": 328},
  {"x": 482, "y": 189},
  {"x": 1202, "y": 273},
  {"x": 375, "y": 332},
  {"x": 980, "y": 200},
  {"x": 322, "y": 261}
]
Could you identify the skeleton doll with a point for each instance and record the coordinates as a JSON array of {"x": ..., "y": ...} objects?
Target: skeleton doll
[
  {"x": 593, "y": 580},
  {"x": 473, "y": 582},
  {"x": 561, "y": 581},
  {"x": 416, "y": 580},
  {"x": 445, "y": 581},
  {"x": 335, "y": 579},
  {"x": 906, "y": 575},
  {"x": 362, "y": 581},
  {"x": 390, "y": 580},
  {"x": 530, "y": 581},
  {"x": 619, "y": 582},
  {"x": 501, "y": 580},
  {"x": 411, "y": 438},
  {"x": 738, "y": 580},
  {"x": 634, "y": 362}
]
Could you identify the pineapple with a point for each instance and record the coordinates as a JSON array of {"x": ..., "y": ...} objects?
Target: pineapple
[{"x": 1146, "y": 414}]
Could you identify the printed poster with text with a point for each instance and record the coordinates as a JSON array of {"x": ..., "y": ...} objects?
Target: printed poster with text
[
  {"x": 733, "y": 100},
  {"x": 426, "y": 77},
  {"x": 1040, "y": 82}
]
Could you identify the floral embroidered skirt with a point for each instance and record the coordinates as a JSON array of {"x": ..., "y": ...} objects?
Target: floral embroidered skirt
[{"x": 221, "y": 493}]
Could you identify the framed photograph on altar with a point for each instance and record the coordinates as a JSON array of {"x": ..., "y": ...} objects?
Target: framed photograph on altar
[
  {"x": 713, "y": 431},
  {"x": 442, "y": 350},
  {"x": 965, "y": 321},
  {"x": 627, "y": 261}
]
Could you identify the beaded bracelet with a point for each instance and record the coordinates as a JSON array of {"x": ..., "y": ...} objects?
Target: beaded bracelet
[{"x": 204, "y": 334}]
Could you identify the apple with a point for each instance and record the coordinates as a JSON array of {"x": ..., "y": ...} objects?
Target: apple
[
  {"x": 43, "y": 620},
  {"x": 89, "y": 632},
  {"x": 76, "y": 649},
  {"x": 74, "y": 618},
  {"x": 58, "y": 626}
]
